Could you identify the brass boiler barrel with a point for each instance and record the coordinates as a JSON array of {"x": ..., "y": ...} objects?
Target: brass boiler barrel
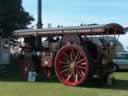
[{"x": 107, "y": 29}]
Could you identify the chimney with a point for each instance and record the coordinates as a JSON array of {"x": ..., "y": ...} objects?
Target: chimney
[{"x": 39, "y": 17}]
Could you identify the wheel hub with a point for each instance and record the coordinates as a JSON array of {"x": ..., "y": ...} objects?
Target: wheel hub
[{"x": 73, "y": 65}]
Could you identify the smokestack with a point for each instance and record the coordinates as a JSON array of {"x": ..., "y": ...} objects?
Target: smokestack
[
  {"x": 39, "y": 17},
  {"x": 37, "y": 43}
]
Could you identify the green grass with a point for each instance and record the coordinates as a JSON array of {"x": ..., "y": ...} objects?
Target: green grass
[{"x": 20, "y": 88}]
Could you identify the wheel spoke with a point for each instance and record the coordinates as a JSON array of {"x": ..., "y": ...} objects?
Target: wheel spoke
[
  {"x": 73, "y": 73},
  {"x": 77, "y": 56},
  {"x": 80, "y": 74},
  {"x": 84, "y": 63},
  {"x": 71, "y": 54},
  {"x": 63, "y": 62},
  {"x": 76, "y": 79},
  {"x": 67, "y": 59},
  {"x": 69, "y": 76},
  {"x": 65, "y": 70},
  {"x": 68, "y": 73},
  {"x": 78, "y": 62},
  {"x": 82, "y": 67},
  {"x": 66, "y": 66},
  {"x": 66, "y": 55}
]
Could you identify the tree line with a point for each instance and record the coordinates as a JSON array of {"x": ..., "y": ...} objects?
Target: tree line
[{"x": 13, "y": 17}]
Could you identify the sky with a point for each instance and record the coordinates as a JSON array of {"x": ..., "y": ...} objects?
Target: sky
[{"x": 76, "y": 12}]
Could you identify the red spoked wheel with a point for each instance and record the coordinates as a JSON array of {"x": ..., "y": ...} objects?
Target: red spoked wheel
[{"x": 71, "y": 65}]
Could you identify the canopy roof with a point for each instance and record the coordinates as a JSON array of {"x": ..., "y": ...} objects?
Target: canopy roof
[{"x": 107, "y": 29}]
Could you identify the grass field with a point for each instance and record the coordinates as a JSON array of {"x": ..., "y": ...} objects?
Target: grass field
[{"x": 20, "y": 88}]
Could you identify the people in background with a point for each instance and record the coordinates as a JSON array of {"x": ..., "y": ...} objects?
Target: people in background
[{"x": 32, "y": 73}]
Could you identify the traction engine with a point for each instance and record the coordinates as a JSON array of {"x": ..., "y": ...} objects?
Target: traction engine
[{"x": 69, "y": 52}]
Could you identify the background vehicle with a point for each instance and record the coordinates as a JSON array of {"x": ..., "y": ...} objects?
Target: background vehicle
[{"x": 120, "y": 60}]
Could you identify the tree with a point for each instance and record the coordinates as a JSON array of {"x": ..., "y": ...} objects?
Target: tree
[{"x": 13, "y": 16}]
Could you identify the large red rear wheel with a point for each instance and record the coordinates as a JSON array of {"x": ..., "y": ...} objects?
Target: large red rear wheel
[{"x": 71, "y": 65}]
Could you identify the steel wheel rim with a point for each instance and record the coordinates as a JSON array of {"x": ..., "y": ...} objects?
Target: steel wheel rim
[{"x": 71, "y": 65}]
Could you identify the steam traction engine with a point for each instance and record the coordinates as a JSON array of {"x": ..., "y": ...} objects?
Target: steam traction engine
[{"x": 68, "y": 52}]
